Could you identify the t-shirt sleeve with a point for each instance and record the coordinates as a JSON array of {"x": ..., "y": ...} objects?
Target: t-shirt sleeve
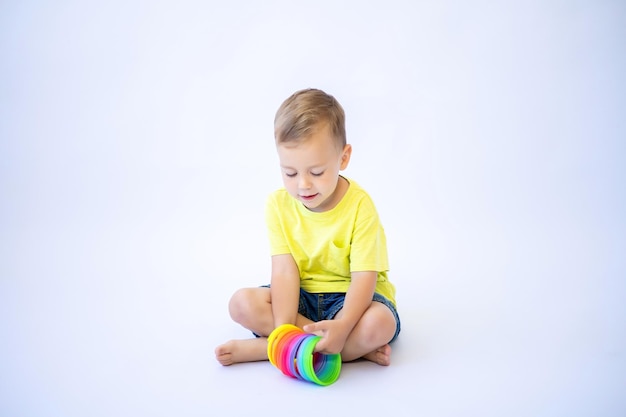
[
  {"x": 276, "y": 235},
  {"x": 369, "y": 243}
]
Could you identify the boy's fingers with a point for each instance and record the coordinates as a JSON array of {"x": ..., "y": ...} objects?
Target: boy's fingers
[
  {"x": 319, "y": 347},
  {"x": 315, "y": 327}
]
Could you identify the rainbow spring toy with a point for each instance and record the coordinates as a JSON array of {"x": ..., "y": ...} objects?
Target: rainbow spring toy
[{"x": 291, "y": 350}]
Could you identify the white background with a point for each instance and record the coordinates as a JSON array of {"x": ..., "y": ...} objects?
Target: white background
[{"x": 136, "y": 152}]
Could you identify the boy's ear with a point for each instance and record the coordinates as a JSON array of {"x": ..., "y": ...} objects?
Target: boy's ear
[{"x": 345, "y": 156}]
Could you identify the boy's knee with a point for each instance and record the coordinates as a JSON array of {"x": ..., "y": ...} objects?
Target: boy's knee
[
  {"x": 379, "y": 325},
  {"x": 240, "y": 304},
  {"x": 248, "y": 305}
]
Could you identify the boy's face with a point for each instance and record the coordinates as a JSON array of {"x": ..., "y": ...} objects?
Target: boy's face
[{"x": 310, "y": 169}]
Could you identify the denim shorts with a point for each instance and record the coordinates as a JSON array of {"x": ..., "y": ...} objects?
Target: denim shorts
[{"x": 325, "y": 306}]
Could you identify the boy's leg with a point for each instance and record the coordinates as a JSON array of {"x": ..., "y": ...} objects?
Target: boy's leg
[
  {"x": 252, "y": 308},
  {"x": 371, "y": 335}
]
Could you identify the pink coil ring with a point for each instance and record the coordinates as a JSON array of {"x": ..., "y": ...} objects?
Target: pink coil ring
[{"x": 292, "y": 351}]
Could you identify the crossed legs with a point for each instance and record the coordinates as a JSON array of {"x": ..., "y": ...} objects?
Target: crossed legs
[{"x": 251, "y": 307}]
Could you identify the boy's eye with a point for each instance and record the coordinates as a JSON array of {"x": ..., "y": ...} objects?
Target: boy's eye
[
  {"x": 290, "y": 175},
  {"x": 317, "y": 174}
]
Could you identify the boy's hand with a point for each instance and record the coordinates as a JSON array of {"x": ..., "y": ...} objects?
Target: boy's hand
[{"x": 333, "y": 332}]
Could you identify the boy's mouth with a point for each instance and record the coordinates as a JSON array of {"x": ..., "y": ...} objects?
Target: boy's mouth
[{"x": 308, "y": 197}]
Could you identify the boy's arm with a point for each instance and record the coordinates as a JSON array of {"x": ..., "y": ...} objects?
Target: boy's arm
[
  {"x": 284, "y": 289},
  {"x": 358, "y": 299}
]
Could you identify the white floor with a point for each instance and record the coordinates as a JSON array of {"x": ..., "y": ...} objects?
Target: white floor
[{"x": 136, "y": 152}]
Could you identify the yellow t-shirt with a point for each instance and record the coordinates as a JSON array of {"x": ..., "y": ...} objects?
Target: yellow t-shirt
[{"x": 328, "y": 246}]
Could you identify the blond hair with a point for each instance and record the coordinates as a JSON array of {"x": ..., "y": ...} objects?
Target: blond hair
[{"x": 305, "y": 111}]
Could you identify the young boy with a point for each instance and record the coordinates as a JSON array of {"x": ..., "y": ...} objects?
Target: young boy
[{"x": 328, "y": 247}]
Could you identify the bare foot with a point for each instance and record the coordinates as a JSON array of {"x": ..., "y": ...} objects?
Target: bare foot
[
  {"x": 381, "y": 356},
  {"x": 247, "y": 350}
]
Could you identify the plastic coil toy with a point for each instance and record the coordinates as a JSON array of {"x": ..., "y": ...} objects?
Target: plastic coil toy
[{"x": 290, "y": 350}]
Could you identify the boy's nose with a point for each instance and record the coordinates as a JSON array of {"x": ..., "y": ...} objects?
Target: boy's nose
[{"x": 304, "y": 182}]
